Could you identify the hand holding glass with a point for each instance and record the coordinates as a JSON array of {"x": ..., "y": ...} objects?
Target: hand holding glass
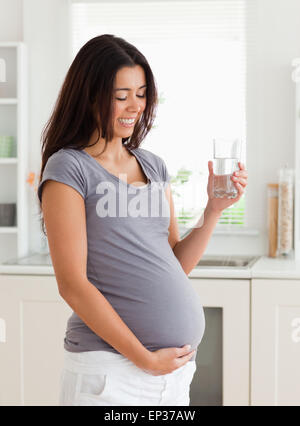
[{"x": 226, "y": 158}]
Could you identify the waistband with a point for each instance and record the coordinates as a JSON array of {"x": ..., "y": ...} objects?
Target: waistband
[{"x": 101, "y": 362}]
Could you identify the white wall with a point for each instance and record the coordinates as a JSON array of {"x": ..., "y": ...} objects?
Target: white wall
[
  {"x": 46, "y": 33},
  {"x": 271, "y": 114},
  {"x": 279, "y": 43},
  {"x": 11, "y": 20},
  {"x": 45, "y": 29}
]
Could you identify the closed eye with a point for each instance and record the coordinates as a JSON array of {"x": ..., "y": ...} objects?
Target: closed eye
[{"x": 124, "y": 99}]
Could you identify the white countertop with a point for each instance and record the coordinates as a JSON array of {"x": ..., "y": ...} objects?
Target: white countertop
[
  {"x": 265, "y": 267},
  {"x": 279, "y": 268}
]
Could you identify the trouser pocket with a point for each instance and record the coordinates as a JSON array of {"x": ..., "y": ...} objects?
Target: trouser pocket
[{"x": 93, "y": 389}]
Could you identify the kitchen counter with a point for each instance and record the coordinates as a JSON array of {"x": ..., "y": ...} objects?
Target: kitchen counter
[
  {"x": 264, "y": 267},
  {"x": 33, "y": 264}
]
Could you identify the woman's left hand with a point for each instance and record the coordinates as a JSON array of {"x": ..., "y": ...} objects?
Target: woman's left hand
[{"x": 220, "y": 204}]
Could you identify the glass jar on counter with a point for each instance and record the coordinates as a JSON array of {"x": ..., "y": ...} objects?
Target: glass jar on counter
[
  {"x": 272, "y": 218},
  {"x": 285, "y": 211}
]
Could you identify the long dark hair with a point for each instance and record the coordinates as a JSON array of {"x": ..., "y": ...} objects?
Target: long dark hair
[{"x": 88, "y": 87}]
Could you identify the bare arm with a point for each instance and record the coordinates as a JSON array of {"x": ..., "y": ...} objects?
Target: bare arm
[
  {"x": 190, "y": 250},
  {"x": 64, "y": 215}
]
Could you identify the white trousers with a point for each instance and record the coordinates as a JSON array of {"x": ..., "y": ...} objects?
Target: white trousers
[{"x": 107, "y": 378}]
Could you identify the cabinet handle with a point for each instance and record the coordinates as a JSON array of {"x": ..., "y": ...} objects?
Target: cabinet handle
[{"x": 2, "y": 331}]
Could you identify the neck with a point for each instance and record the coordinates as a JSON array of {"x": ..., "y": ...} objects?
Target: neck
[{"x": 114, "y": 152}]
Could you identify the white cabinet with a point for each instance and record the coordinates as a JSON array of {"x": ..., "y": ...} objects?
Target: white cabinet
[
  {"x": 13, "y": 170},
  {"x": 249, "y": 354},
  {"x": 275, "y": 348},
  {"x": 34, "y": 317},
  {"x": 222, "y": 375}
]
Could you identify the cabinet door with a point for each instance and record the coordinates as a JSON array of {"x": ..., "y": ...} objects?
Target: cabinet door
[
  {"x": 275, "y": 378},
  {"x": 222, "y": 375},
  {"x": 31, "y": 356}
]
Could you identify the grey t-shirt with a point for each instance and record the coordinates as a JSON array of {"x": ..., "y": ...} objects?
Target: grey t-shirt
[{"x": 130, "y": 260}]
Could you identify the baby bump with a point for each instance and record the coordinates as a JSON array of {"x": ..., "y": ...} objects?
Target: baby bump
[{"x": 172, "y": 317}]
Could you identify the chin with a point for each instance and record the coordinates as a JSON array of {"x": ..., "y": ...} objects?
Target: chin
[{"x": 125, "y": 134}]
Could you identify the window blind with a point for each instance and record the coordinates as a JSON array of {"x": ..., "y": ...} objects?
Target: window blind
[{"x": 198, "y": 53}]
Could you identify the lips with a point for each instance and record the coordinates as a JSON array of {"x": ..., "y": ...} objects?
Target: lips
[{"x": 127, "y": 122}]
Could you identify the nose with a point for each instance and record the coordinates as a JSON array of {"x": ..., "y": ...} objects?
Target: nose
[{"x": 134, "y": 105}]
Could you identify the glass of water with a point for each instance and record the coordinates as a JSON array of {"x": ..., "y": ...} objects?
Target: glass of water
[{"x": 226, "y": 157}]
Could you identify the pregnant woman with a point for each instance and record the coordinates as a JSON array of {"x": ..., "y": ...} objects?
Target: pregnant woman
[{"x": 109, "y": 217}]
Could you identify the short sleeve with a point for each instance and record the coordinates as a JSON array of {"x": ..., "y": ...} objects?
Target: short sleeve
[
  {"x": 64, "y": 167},
  {"x": 165, "y": 175}
]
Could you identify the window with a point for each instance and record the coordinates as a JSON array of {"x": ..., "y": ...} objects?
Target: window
[{"x": 197, "y": 52}]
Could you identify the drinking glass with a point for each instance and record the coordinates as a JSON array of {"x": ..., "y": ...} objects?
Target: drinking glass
[{"x": 226, "y": 157}]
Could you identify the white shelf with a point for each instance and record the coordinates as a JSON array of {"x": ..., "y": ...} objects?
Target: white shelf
[
  {"x": 8, "y": 160},
  {"x": 14, "y": 122},
  {"x": 8, "y": 101},
  {"x": 9, "y": 44},
  {"x": 8, "y": 229}
]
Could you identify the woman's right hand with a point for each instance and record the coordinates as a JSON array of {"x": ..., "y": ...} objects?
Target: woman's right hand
[{"x": 166, "y": 360}]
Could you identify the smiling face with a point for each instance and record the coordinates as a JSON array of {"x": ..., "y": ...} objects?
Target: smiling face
[{"x": 129, "y": 99}]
